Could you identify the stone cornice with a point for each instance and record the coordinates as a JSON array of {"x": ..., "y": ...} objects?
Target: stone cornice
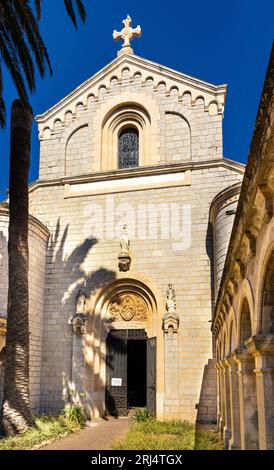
[
  {"x": 34, "y": 223},
  {"x": 259, "y": 172},
  {"x": 140, "y": 171},
  {"x": 167, "y": 73}
]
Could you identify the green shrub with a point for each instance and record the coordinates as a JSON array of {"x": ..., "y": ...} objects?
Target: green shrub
[
  {"x": 142, "y": 415},
  {"x": 45, "y": 429},
  {"x": 74, "y": 414}
]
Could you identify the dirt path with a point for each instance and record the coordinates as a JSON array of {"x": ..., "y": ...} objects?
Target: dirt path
[{"x": 99, "y": 435}]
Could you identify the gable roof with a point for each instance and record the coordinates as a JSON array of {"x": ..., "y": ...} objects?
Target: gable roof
[{"x": 165, "y": 73}]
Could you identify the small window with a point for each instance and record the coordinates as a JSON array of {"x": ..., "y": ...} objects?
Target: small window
[{"x": 128, "y": 148}]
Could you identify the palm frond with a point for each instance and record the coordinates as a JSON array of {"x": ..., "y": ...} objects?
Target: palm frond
[
  {"x": 15, "y": 31},
  {"x": 2, "y": 103},
  {"x": 8, "y": 53},
  {"x": 30, "y": 25},
  {"x": 81, "y": 10},
  {"x": 71, "y": 10},
  {"x": 38, "y": 8}
]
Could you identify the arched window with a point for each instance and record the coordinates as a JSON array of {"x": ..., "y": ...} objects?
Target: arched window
[{"x": 128, "y": 148}]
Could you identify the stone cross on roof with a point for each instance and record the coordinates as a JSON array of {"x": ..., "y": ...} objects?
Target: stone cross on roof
[{"x": 127, "y": 34}]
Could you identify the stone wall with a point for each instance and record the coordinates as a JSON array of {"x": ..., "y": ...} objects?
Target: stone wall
[
  {"x": 38, "y": 236},
  {"x": 165, "y": 203},
  {"x": 184, "y": 118},
  {"x": 83, "y": 254}
]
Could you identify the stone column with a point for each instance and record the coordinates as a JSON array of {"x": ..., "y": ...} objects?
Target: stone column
[
  {"x": 262, "y": 347},
  {"x": 77, "y": 393},
  {"x": 77, "y": 369},
  {"x": 222, "y": 398},
  {"x": 235, "y": 440},
  {"x": 227, "y": 427},
  {"x": 247, "y": 400},
  {"x": 170, "y": 327},
  {"x": 171, "y": 375},
  {"x": 219, "y": 398}
]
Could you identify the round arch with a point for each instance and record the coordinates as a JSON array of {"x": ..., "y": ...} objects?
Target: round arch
[
  {"x": 144, "y": 109},
  {"x": 245, "y": 294},
  {"x": 266, "y": 305},
  {"x": 231, "y": 330},
  {"x": 122, "y": 116},
  {"x": 144, "y": 292}
]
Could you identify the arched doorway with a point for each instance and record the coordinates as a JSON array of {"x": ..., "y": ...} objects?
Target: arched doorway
[{"x": 127, "y": 342}]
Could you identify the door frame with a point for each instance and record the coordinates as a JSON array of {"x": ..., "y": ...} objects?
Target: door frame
[
  {"x": 118, "y": 394},
  {"x": 99, "y": 325}
]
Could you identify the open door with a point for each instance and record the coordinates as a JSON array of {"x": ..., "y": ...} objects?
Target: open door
[
  {"x": 116, "y": 377},
  {"x": 151, "y": 375}
]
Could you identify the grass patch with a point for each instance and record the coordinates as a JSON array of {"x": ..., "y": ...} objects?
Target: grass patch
[
  {"x": 168, "y": 435},
  {"x": 46, "y": 428}
]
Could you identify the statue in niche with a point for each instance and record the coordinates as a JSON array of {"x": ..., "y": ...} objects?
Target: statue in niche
[
  {"x": 124, "y": 255},
  {"x": 79, "y": 319},
  {"x": 80, "y": 302},
  {"x": 124, "y": 241},
  {"x": 170, "y": 319},
  {"x": 170, "y": 300}
]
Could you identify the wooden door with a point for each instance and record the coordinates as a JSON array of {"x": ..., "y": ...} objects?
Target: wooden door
[
  {"x": 151, "y": 375},
  {"x": 116, "y": 379}
]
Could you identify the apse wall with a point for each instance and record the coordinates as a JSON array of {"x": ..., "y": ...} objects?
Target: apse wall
[
  {"x": 222, "y": 214},
  {"x": 38, "y": 238}
]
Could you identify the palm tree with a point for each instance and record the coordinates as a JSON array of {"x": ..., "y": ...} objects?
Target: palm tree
[
  {"x": 16, "y": 414},
  {"x": 19, "y": 37}
]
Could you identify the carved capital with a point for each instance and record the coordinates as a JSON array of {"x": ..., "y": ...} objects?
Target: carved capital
[
  {"x": 240, "y": 268},
  {"x": 254, "y": 222},
  {"x": 78, "y": 323},
  {"x": 124, "y": 262},
  {"x": 170, "y": 323}
]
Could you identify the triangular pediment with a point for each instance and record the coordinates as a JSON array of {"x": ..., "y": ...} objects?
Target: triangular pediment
[{"x": 146, "y": 70}]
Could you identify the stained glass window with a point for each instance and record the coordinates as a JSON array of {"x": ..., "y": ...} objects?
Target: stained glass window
[{"x": 128, "y": 148}]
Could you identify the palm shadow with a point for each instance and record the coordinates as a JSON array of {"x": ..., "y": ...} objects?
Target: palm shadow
[{"x": 67, "y": 270}]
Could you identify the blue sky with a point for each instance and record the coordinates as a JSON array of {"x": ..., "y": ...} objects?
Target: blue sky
[{"x": 217, "y": 41}]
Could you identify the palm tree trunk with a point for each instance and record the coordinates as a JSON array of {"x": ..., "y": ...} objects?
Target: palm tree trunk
[{"x": 16, "y": 414}]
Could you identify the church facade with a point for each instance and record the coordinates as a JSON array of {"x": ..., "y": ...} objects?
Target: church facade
[{"x": 130, "y": 222}]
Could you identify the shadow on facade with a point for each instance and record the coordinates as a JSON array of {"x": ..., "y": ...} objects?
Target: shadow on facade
[
  {"x": 207, "y": 405},
  {"x": 66, "y": 271}
]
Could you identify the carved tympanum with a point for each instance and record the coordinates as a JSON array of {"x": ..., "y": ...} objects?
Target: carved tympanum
[{"x": 128, "y": 307}]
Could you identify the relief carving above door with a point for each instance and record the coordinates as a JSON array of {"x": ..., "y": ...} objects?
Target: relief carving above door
[{"x": 128, "y": 307}]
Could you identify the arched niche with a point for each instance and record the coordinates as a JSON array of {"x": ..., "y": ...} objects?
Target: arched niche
[
  {"x": 77, "y": 146},
  {"x": 178, "y": 137},
  {"x": 125, "y": 116}
]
